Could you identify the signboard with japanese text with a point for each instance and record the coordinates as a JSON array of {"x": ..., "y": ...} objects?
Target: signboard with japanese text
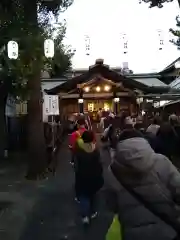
[{"x": 51, "y": 104}]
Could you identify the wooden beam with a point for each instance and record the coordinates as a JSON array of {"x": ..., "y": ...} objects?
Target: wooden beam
[
  {"x": 112, "y": 83},
  {"x": 95, "y": 95},
  {"x": 82, "y": 85},
  {"x": 73, "y": 90},
  {"x": 92, "y": 81}
]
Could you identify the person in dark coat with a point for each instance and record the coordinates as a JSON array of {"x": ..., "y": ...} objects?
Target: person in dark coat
[
  {"x": 152, "y": 140},
  {"x": 139, "y": 125},
  {"x": 143, "y": 188},
  {"x": 89, "y": 174},
  {"x": 175, "y": 124},
  {"x": 167, "y": 140}
]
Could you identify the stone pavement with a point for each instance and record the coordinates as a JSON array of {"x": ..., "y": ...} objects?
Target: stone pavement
[
  {"x": 17, "y": 197},
  {"x": 46, "y": 210}
]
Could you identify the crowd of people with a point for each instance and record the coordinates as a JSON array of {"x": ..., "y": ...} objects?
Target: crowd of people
[{"x": 142, "y": 184}]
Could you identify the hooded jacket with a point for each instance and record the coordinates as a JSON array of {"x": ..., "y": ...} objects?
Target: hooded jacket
[
  {"x": 153, "y": 128},
  {"x": 152, "y": 177},
  {"x": 74, "y": 137},
  {"x": 88, "y": 168}
]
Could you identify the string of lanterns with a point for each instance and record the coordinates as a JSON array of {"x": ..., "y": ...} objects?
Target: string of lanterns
[
  {"x": 13, "y": 49},
  {"x": 124, "y": 41}
]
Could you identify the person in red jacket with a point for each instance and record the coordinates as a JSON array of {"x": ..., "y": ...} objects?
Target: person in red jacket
[
  {"x": 81, "y": 128},
  {"x": 76, "y": 135}
]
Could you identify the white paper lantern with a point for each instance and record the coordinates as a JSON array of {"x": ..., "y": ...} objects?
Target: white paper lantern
[
  {"x": 49, "y": 48},
  {"x": 87, "y": 45},
  {"x": 12, "y": 49},
  {"x": 124, "y": 42},
  {"x": 160, "y": 39}
]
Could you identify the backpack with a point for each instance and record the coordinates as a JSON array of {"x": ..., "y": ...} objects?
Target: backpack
[{"x": 79, "y": 137}]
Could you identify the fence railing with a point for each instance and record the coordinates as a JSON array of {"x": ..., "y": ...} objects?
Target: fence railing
[{"x": 17, "y": 133}]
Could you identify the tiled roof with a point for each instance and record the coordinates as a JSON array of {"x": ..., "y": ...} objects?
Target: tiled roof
[
  {"x": 151, "y": 82},
  {"x": 172, "y": 64},
  {"x": 175, "y": 84},
  {"x": 105, "y": 72}
]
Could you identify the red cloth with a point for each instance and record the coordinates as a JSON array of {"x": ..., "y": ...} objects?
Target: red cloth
[{"x": 74, "y": 137}]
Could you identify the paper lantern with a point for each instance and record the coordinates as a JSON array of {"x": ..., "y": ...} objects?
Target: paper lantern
[
  {"x": 160, "y": 39},
  {"x": 87, "y": 45},
  {"x": 124, "y": 42},
  {"x": 12, "y": 49},
  {"x": 49, "y": 48}
]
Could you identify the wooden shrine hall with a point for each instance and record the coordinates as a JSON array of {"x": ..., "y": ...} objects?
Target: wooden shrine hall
[{"x": 101, "y": 88}]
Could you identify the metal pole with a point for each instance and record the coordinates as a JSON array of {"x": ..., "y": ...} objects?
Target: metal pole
[
  {"x": 53, "y": 163},
  {"x": 53, "y": 140}
]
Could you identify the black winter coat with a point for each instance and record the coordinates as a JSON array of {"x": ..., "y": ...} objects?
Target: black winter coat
[{"x": 88, "y": 170}]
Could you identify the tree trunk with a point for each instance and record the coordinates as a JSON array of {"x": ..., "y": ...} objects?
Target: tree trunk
[
  {"x": 179, "y": 2},
  {"x": 36, "y": 141},
  {"x": 3, "y": 126}
]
